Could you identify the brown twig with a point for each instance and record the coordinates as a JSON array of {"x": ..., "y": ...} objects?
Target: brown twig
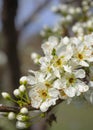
[{"x": 5, "y": 108}]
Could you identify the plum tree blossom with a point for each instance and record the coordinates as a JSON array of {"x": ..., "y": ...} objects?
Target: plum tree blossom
[{"x": 66, "y": 67}]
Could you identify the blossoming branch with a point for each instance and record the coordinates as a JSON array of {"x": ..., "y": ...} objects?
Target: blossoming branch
[{"x": 66, "y": 68}]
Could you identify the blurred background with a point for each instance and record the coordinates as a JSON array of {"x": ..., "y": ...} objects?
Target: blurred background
[{"x": 20, "y": 24}]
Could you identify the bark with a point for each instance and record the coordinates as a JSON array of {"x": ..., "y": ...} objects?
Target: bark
[{"x": 11, "y": 39}]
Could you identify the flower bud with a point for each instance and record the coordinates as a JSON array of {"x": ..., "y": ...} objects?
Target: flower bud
[
  {"x": 16, "y": 92},
  {"x": 22, "y": 118},
  {"x": 24, "y": 110},
  {"x": 34, "y": 55},
  {"x": 78, "y": 10},
  {"x": 54, "y": 9},
  {"x": 11, "y": 116},
  {"x": 21, "y": 125},
  {"x": 23, "y": 80},
  {"x": 65, "y": 40},
  {"x": 22, "y": 88},
  {"x": 5, "y": 95}
]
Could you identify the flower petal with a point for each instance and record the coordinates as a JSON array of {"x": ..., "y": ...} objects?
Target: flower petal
[
  {"x": 70, "y": 92},
  {"x": 80, "y": 73}
]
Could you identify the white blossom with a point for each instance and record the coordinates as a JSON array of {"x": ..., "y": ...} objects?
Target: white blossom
[
  {"x": 37, "y": 77},
  {"x": 5, "y": 95},
  {"x": 49, "y": 45},
  {"x": 83, "y": 55},
  {"x": 63, "y": 71},
  {"x": 71, "y": 83},
  {"x": 22, "y": 117},
  {"x": 43, "y": 94},
  {"x": 70, "y": 91},
  {"x": 24, "y": 110},
  {"x": 22, "y": 88},
  {"x": 65, "y": 40},
  {"x": 23, "y": 80},
  {"x": 16, "y": 92},
  {"x": 11, "y": 116},
  {"x": 21, "y": 125}
]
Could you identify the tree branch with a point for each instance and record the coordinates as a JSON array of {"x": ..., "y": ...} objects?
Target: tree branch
[
  {"x": 77, "y": 2},
  {"x": 11, "y": 39},
  {"x": 5, "y": 108}
]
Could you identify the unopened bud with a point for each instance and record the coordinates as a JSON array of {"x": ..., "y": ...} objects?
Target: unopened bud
[
  {"x": 22, "y": 118},
  {"x": 21, "y": 125},
  {"x": 11, "y": 116},
  {"x": 16, "y": 92},
  {"x": 22, "y": 88},
  {"x": 24, "y": 110},
  {"x": 23, "y": 80},
  {"x": 5, "y": 95}
]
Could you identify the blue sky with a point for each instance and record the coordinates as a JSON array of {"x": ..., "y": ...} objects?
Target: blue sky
[{"x": 26, "y": 7}]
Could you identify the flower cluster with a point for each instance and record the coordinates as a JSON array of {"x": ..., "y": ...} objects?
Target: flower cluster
[
  {"x": 66, "y": 68},
  {"x": 74, "y": 20},
  {"x": 22, "y": 118},
  {"x": 20, "y": 113},
  {"x": 64, "y": 71}
]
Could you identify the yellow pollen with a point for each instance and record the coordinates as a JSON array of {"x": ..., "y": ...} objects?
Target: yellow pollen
[
  {"x": 43, "y": 94},
  {"x": 80, "y": 56},
  {"x": 62, "y": 93},
  {"x": 48, "y": 85},
  {"x": 59, "y": 62},
  {"x": 71, "y": 80}
]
